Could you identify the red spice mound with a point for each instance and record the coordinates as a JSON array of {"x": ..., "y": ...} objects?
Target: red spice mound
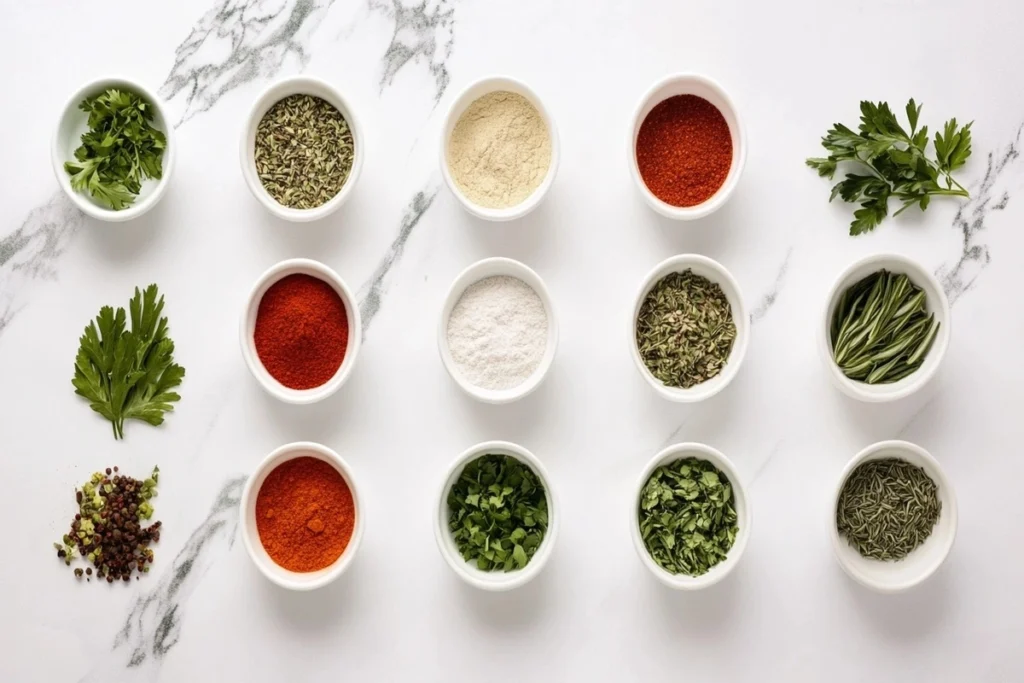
[
  {"x": 301, "y": 331},
  {"x": 305, "y": 514},
  {"x": 684, "y": 150}
]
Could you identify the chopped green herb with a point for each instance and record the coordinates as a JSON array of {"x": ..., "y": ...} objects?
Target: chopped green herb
[{"x": 497, "y": 513}]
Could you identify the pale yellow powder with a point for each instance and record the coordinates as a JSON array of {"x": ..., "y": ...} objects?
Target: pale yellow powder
[{"x": 500, "y": 150}]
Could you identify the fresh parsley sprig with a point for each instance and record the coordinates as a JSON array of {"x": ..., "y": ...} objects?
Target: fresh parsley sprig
[
  {"x": 128, "y": 374},
  {"x": 119, "y": 151},
  {"x": 896, "y": 162}
]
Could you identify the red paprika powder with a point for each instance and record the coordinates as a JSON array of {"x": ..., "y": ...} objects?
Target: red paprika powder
[
  {"x": 305, "y": 514},
  {"x": 684, "y": 150},
  {"x": 301, "y": 331}
]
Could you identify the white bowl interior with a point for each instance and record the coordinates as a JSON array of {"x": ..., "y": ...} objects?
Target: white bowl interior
[
  {"x": 74, "y": 122},
  {"x": 299, "y": 85},
  {"x": 715, "y": 272},
  {"x": 473, "y": 92},
  {"x": 248, "y": 327},
  {"x": 250, "y": 533},
  {"x": 478, "y": 271},
  {"x": 468, "y": 571},
  {"x": 937, "y": 303},
  {"x": 691, "y": 84},
  {"x": 924, "y": 560},
  {"x": 743, "y": 516}
]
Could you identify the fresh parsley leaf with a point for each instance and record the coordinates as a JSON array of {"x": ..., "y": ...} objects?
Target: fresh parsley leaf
[
  {"x": 897, "y": 162},
  {"x": 120, "y": 150},
  {"x": 497, "y": 513},
  {"x": 129, "y": 374}
]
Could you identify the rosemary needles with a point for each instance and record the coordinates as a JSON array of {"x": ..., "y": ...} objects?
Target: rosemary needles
[{"x": 881, "y": 330}]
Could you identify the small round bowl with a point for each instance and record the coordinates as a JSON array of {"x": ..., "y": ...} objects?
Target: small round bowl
[
  {"x": 467, "y": 571},
  {"x": 299, "y": 85},
  {"x": 67, "y": 138},
  {"x": 894, "y": 577},
  {"x": 710, "y": 90},
  {"x": 743, "y": 516},
  {"x": 937, "y": 304},
  {"x": 297, "y": 581},
  {"x": 473, "y": 92},
  {"x": 248, "y": 327},
  {"x": 715, "y": 272}
]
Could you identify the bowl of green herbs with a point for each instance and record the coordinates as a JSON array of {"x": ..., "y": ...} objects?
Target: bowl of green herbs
[
  {"x": 886, "y": 328},
  {"x": 496, "y": 516},
  {"x": 691, "y": 516},
  {"x": 893, "y": 518},
  {"x": 113, "y": 150}
]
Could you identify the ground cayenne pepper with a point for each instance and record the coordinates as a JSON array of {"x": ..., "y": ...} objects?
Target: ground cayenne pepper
[
  {"x": 305, "y": 514},
  {"x": 684, "y": 150},
  {"x": 301, "y": 331}
]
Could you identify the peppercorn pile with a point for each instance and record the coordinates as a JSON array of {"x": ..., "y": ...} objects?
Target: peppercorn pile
[{"x": 107, "y": 529}]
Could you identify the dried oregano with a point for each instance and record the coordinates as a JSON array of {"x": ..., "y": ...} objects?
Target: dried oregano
[
  {"x": 687, "y": 516},
  {"x": 685, "y": 330},
  {"x": 304, "y": 151}
]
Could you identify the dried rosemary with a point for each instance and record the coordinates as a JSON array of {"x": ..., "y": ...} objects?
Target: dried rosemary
[
  {"x": 304, "y": 151},
  {"x": 887, "y": 508},
  {"x": 881, "y": 330},
  {"x": 685, "y": 330}
]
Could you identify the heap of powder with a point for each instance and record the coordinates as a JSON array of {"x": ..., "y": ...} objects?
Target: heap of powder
[
  {"x": 500, "y": 150},
  {"x": 498, "y": 332}
]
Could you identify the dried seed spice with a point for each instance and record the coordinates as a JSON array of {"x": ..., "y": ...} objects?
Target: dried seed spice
[
  {"x": 685, "y": 330},
  {"x": 304, "y": 151},
  {"x": 887, "y": 508},
  {"x": 107, "y": 529}
]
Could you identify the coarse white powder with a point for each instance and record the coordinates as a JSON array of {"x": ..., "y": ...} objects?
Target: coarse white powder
[{"x": 498, "y": 332}]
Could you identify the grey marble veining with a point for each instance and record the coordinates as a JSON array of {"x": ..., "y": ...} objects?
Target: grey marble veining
[
  {"x": 990, "y": 195},
  {"x": 153, "y": 623},
  {"x": 771, "y": 296},
  {"x": 423, "y": 32}
]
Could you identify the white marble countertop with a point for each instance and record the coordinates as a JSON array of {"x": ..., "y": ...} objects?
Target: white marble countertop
[{"x": 787, "y": 613}]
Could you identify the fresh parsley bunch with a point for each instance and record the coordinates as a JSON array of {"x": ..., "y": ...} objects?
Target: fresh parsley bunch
[
  {"x": 896, "y": 162},
  {"x": 128, "y": 373},
  {"x": 119, "y": 151}
]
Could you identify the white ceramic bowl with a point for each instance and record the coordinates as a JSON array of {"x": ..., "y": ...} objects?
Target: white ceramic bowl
[
  {"x": 67, "y": 138},
  {"x": 248, "y": 326},
  {"x": 893, "y": 577},
  {"x": 743, "y": 516},
  {"x": 300, "y": 581},
  {"x": 467, "y": 571},
  {"x": 715, "y": 272},
  {"x": 299, "y": 85},
  {"x": 710, "y": 90},
  {"x": 473, "y": 92},
  {"x": 937, "y": 304},
  {"x": 492, "y": 267}
]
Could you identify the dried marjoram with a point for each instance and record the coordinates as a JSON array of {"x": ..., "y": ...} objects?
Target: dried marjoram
[
  {"x": 685, "y": 330},
  {"x": 887, "y": 508},
  {"x": 304, "y": 151},
  {"x": 107, "y": 529}
]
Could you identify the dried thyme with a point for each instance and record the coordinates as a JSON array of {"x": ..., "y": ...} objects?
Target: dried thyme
[
  {"x": 685, "y": 330},
  {"x": 887, "y": 508},
  {"x": 304, "y": 151},
  {"x": 687, "y": 516}
]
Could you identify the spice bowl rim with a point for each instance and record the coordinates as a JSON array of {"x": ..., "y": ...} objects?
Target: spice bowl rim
[
  {"x": 495, "y": 580},
  {"x": 943, "y": 534},
  {"x": 250, "y": 534},
  {"x": 721, "y": 276},
  {"x": 472, "y": 92},
  {"x": 744, "y": 515},
  {"x": 271, "y": 95},
  {"x": 648, "y": 101},
  {"x": 937, "y": 302},
  {"x": 247, "y": 325},
  {"x": 60, "y": 151},
  {"x": 493, "y": 267}
]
